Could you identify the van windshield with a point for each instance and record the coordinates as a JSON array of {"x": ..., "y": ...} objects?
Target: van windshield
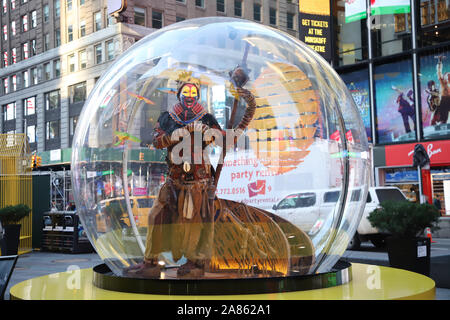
[
  {"x": 301, "y": 200},
  {"x": 390, "y": 195}
]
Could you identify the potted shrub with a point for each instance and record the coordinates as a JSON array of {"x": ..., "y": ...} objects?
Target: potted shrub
[
  {"x": 405, "y": 222},
  {"x": 9, "y": 219}
]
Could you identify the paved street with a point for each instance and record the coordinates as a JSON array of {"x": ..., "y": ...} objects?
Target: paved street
[{"x": 38, "y": 263}]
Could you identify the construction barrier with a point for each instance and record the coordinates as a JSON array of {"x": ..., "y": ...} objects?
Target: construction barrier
[{"x": 16, "y": 181}]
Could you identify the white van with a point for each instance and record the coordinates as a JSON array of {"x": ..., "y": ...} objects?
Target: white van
[
  {"x": 308, "y": 209},
  {"x": 365, "y": 231}
]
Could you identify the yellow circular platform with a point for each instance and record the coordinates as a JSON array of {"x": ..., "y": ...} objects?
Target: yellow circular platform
[{"x": 369, "y": 283}]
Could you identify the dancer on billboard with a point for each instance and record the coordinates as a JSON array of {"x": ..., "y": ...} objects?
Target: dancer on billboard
[
  {"x": 406, "y": 108},
  {"x": 444, "y": 81}
]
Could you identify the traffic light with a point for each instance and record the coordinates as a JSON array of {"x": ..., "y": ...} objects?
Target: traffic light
[
  {"x": 38, "y": 161},
  {"x": 33, "y": 161}
]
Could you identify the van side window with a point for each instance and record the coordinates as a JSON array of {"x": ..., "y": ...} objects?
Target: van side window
[
  {"x": 369, "y": 198},
  {"x": 300, "y": 200}
]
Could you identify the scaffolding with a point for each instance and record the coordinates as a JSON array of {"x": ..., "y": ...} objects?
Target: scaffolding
[
  {"x": 61, "y": 189},
  {"x": 16, "y": 181}
]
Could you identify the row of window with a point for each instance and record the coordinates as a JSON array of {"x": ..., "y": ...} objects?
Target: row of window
[
  {"x": 52, "y": 130},
  {"x": 140, "y": 16},
  {"x": 52, "y": 69},
  {"x": 25, "y": 25}
]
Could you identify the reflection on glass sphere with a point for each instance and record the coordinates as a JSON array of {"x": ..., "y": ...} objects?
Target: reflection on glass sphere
[{"x": 151, "y": 188}]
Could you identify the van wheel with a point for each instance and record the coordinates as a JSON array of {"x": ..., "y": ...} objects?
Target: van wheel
[{"x": 355, "y": 243}]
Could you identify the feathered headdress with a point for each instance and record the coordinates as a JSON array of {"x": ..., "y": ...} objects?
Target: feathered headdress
[{"x": 186, "y": 77}]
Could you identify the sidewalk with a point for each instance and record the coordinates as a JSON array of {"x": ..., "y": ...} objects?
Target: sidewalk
[
  {"x": 37, "y": 263},
  {"x": 439, "y": 264}
]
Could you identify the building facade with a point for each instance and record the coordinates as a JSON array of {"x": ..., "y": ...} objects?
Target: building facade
[{"x": 395, "y": 62}]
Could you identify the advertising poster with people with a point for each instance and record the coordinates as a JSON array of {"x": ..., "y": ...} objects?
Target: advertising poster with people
[
  {"x": 358, "y": 84},
  {"x": 434, "y": 80},
  {"x": 394, "y": 101}
]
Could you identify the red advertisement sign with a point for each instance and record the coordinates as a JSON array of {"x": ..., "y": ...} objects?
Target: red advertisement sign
[
  {"x": 257, "y": 187},
  {"x": 402, "y": 155}
]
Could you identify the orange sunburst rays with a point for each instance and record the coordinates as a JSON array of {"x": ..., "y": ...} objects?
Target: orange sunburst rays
[{"x": 283, "y": 129}]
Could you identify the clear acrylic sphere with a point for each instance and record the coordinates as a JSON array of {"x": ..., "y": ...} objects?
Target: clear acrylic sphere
[{"x": 296, "y": 179}]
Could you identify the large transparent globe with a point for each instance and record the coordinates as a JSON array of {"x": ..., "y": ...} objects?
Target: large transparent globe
[{"x": 282, "y": 197}]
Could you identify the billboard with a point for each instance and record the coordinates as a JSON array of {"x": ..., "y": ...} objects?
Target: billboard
[
  {"x": 315, "y": 26},
  {"x": 116, "y": 6},
  {"x": 355, "y": 10},
  {"x": 379, "y": 7},
  {"x": 434, "y": 79},
  {"x": 358, "y": 84},
  {"x": 394, "y": 100}
]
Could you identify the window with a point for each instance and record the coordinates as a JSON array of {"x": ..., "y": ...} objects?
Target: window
[
  {"x": 57, "y": 8},
  {"x": 109, "y": 50},
  {"x": 29, "y": 106},
  {"x": 25, "y": 23},
  {"x": 34, "y": 76},
  {"x": 52, "y": 130},
  {"x": 46, "y": 11},
  {"x": 13, "y": 28},
  {"x": 256, "y": 12},
  {"x": 14, "y": 82},
  {"x": 13, "y": 4},
  {"x": 25, "y": 79},
  {"x": 77, "y": 92},
  {"x": 31, "y": 133},
  {"x": 25, "y": 51},
  {"x": 14, "y": 55},
  {"x": 97, "y": 21},
  {"x": 71, "y": 62},
  {"x": 5, "y": 6},
  {"x": 5, "y": 85},
  {"x": 220, "y": 6},
  {"x": 200, "y": 3},
  {"x": 52, "y": 100},
  {"x": 5, "y": 59},
  {"x": 110, "y": 21},
  {"x": 82, "y": 29},
  {"x": 9, "y": 111},
  {"x": 98, "y": 53},
  {"x": 157, "y": 19},
  {"x": 351, "y": 36},
  {"x": 82, "y": 2},
  {"x": 57, "y": 37},
  {"x": 238, "y": 8},
  {"x": 290, "y": 21},
  {"x": 33, "y": 47},
  {"x": 56, "y": 68},
  {"x": 273, "y": 16},
  {"x": 178, "y": 18},
  {"x": 69, "y": 33},
  {"x": 46, "y": 42},
  {"x": 69, "y": 5},
  {"x": 72, "y": 125},
  {"x": 83, "y": 59},
  {"x": 5, "y": 32},
  {"x": 33, "y": 19},
  {"x": 47, "y": 71},
  {"x": 139, "y": 16}
]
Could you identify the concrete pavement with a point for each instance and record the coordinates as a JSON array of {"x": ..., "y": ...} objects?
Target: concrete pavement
[{"x": 37, "y": 263}]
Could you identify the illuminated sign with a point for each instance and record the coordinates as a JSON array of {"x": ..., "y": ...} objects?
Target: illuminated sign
[
  {"x": 116, "y": 6},
  {"x": 315, "y": 26}
]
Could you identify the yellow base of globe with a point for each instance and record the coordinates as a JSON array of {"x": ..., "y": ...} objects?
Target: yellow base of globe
[{"x": 369, "y": 282}]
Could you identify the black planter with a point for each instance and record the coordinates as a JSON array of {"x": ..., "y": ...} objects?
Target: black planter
[
  {"x": 10, "y": 241},
  {"x": 411, "y": 254}
]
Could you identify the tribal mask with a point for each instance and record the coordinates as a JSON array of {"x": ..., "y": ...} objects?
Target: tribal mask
[{"x": 188, "y": 95}]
